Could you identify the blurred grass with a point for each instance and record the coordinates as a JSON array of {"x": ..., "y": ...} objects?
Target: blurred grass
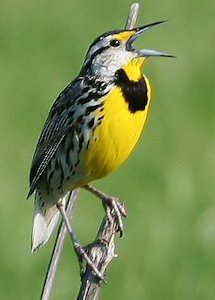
[{"x": 168, "y": 184}]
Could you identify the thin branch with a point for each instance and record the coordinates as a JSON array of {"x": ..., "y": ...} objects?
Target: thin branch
[
  {"x": 132, "y": 17},
  {"x": 58, "y": 247},
  {"x": 101, "y": 252}
]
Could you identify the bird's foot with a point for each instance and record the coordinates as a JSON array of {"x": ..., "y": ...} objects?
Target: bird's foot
[
  {"x": 79, "y": 250},
  {"x": 82, "y": 255},
  {"x": 113, "y": 207}
]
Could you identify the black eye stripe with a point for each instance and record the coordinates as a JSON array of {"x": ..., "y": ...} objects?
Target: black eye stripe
[
  {"x": 112, "y": 43},
  {"x": 94, "y": 54},
  {"x": 97, "y": 52},
  {"x": 115, "y": 43},
  {"x": 104, "y": 35}
]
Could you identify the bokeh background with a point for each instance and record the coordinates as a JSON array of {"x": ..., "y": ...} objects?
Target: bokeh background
[{"x": 168, "y": 249}]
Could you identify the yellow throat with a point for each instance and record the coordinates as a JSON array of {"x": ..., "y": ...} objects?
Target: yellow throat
[{"x": 115, "y": 138}]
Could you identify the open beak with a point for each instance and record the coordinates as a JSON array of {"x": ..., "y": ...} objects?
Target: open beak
[{"x": 145, "y": 52}]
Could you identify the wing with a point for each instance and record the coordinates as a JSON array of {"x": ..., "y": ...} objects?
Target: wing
[{"x": 57, "y": 125}]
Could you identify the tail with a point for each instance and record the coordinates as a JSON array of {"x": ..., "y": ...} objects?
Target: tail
[{"x": 46, "y": 217}]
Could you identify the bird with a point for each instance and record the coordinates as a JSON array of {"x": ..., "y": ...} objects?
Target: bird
[{"x": 91, "y": 129}]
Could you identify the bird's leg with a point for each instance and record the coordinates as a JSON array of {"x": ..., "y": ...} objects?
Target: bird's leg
[
  {"x": 79, "y": 250},
  {"x": 112, "y": 206}
]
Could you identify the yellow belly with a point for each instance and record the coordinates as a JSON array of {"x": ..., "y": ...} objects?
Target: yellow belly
[{"x": 115, "y": 138}]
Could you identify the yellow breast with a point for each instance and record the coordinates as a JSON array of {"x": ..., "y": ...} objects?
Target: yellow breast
[{"x": 115, "y": 138}]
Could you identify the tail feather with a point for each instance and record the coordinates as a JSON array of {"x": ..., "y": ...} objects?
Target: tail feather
[{"x": 46, "y": 217}]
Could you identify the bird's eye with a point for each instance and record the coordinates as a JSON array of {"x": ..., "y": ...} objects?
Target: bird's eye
[{"x": 114, "y": 43}]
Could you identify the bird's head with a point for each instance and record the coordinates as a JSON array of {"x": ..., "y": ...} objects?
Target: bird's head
[{"x": 113, "y": 50}]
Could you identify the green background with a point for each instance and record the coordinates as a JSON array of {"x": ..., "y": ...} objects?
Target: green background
[{"x": 168, "y": 249}]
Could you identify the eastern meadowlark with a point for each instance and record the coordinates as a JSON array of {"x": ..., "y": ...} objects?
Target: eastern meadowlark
[{"x": 92, "y": 127}]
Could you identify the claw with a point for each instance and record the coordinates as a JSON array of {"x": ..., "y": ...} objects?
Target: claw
[
  {"x": 116, "y": 209},
  {"x": 112, "y": 206},
  {"x": 82, "y": 255},
  {"x": 80, "y": 252}
]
